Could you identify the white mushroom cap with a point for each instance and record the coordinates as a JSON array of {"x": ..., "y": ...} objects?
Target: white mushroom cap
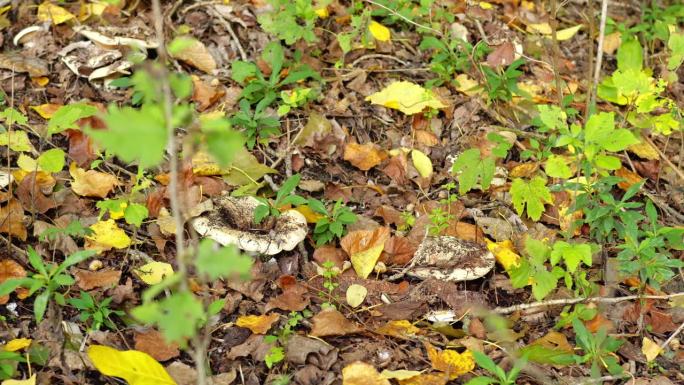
[
  {"x": 223, "y": 226},
  {"x": 451, "y": 259}
]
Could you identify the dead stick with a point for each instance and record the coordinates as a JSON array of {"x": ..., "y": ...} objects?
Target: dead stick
[{"x": 572, "y": 301}]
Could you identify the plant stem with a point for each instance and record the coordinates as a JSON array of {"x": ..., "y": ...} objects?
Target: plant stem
[{"x": 599, "y": 52}]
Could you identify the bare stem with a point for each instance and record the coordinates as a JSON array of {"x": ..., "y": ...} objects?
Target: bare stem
[{"x": 599, "y": 51}]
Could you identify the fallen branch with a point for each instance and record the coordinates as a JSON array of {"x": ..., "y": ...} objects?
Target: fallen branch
[{"x": 572, "y": 301}]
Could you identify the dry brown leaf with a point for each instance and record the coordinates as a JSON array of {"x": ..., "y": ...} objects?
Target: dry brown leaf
[
  {"x": 9, "y": 269},
  {"x": 330, "y": 322},
  {"x": 12, "y": 220},
  {"x": 502, "y": 55},
  {"x": 258, "y": 324},
  {"x": 426, "y": 138},
  {"x": 399, "y": 329},
  {"x": 364, "y": 156},
  {"x": 397, "y": 168},
  {"x": 330, "y": 253},
  {"x": 198, "y": 56},
  {"x": 524, "y": 170},
  {"x": 361, "y": 373},
  {"x": 204, "y": 94},
  {"x": 629, "y": 178},
  {"x": 152, "y": 342},
  {"x": 293, "y": 298},
  {"x": 32, "y": 196},
  {"x": 364, "y": 248},
  {"x": 88, "y": 280},
  {"x": 81, "y": 147},
  {"x": 398, "y": 251},
  {"x": 464, "y": 230},
  {"x": 91, "y": 183}
]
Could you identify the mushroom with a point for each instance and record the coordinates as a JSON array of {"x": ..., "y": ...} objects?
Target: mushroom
[
  {"x": 231, "y": 223},
  {"x": 451, "y": 259}
]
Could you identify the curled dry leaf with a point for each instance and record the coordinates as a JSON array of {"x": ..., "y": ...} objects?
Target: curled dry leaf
[
  {"x": 258, "y": 324},
  {"x": 91, "y": 183},
  {"x": 88, "y": 280},
  {"x": 197, "y": 55},
  {"x": 361, "y": 373},
  {"x": 364, "y": 156},
  {"x": 8, "y": 270},
  {"x": 152, "y": 342},
  {"x": 364, "y": 248},
  {"x": 330, "y": 322}
]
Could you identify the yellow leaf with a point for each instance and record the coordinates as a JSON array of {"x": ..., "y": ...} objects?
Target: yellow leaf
[
  {"x": 361, "y": 373},
  {"x": 27, "y": 163},
  {"x": 137, "y": 368},
  {"x": 46, "y": 111},
  {"x": 422, "y": 163},
  {"x": 468, "y": 85},
  {"x": 611, "y": 42},
  {"x": 567, "y": 33},
  {"x": 426, "y": 379},
  {"x": 18, "y": 141},
  {"x": 485, "y": 5},
  {"x": 399, "y": 374},
  {"x": 310, "y": 215},
  {"x": 399, "y": 329},
  {"x": 364, "y": 248},
  {"x": 48, "y": 11},
  {"x": 650, "y": 349},
  {"x": 18, "y": 344},
  {"x": 323, "y": 13},
  {"x": 542, "y": 28},
  {"x": 644, "y": 150},
  {"x": 364, "y": 261},
  {"x": 450, "y": 361},
  {"x": 28, "y": 381},
  {"x": 504, "y": 253},
  {"x": 91, "y": 183},
  {"x": 154, "y": 272},
  {"x": 379, "y": 31},
  {"x": 107, "y": 235},
  {"x": 406, "y": 97},
  {"x": 356, "y": 294},
  {"x": 41, "y": 81},
  {"x": 258, "y": 324},
  {"x": 118, "y": 214}
]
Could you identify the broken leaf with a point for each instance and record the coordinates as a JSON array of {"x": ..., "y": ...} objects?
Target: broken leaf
[
  {"x": 258, "y": 324},
  {"x": 152, "y": 342},
  {"x": 406, "y": 97},
  {"x": 364, "y": 248},
  {"x": 12, "y": 219},
  {"x": 379, "y": 31},
  {"x": 154, "y": 272},
  {"x": 330, "y": 322},
  {"x": 137, "y": 368},
  {"x": 9, "y": 270},
  {"x": 91, "y": 183}
]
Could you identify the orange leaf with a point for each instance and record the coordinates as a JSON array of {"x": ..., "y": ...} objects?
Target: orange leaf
[
  {"x": 364, "y": 248},
  {"x": 91, "y": 183},
  {"x": 629, "y": 178},
  {"x": 330, "y": 322},
  {"x": 450, "y": 361},
  {"x": 12, "y": 220},
  {"x": 9, "y": 269},
  {"x": 258, "y": 324},
  {"x": 364, "y": 156}
]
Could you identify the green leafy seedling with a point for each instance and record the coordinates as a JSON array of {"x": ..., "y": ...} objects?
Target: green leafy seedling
[
  {"x": 284, "y": 197},
  {"x": 98, "y": 313},
  {"x": 333, "y": 224},
  {"x": 501, "y": 377}
]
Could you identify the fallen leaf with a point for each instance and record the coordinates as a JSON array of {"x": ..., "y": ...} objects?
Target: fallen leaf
[
  {"x": 450, "y": 361},
  {"x": 361, "y": 373},
  {"x": 17, "y": 344},
  {"x": 379, "y": 31},
  {"x": 504, "y": 252},
  {"x": 18, "y": 140},
  {"x": 258, "y": 324},
  {"x": 406, "y": 97},
  {"x": 422, "y": 163},
  {"x": 330, "y": 322},
  {"x": 541, "y": 28},
  {"x": 467, "y": 85},
  {"x": 107, "y": 235},
  {"x": 502, "y": 55},
  {"x": 152, "y": 342},
  {"x": 355, "y": 295},
  {"x": 426, "y": 379},
  {"x": 88, "y": 280},
  {"x": 399, "y": 374},
  {"x": 310, "y": 215},
  {"x": 398, "y": 328},
  {"x": 29, "y": 381},
  {"x": 364, "y": 156},
  {"x": 396, "y": 168},
  {"x": 364, "y": 248},
  {"x": 644, "y": 150},
  {"x": 12, "y": 219},
  {"x": 204, "y": 94},
  {"x": 611, "y": 42},
  {"x": 137, "y": 368},
  {"x": 398, "y": 251},
  {"x": 32, "y": 196},
  {"x": 650, "y": 349},
  {"x": 46, "y": 111},
  {"x": 51, "y": 12},
  {"x": 91, "y": 183},
  {"x": 154, "y": 272},
  {"x": 294, "y": 298},
  {"x": 197, "y": 55},
  {"x": 567, "y": 33},
  {"x": 629, "y": 178}
]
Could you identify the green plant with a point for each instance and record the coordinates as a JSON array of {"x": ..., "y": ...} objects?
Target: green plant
[
  {"x": 262, "y": 91},
  {"x": 599, "y": 349},
  {"x": 502, "y": 84},
  {"x": 439, "y": 219},
  {"x": 133, "y": 213},
  {"x": 471, "y": 165},
  {"x": 8, "y": 363},
  {"x": 502, "y": 377},
  {"x": 450, "y": 56},
  {"x": 98, "y": 312},
  {"x": 408, "y": 221},
  {"x": 295, "y": 98},
  {"x": 284, "y": 197},
  {"x": 280, "y": 338},
  {"x": 73, "y": 229},
  {"x": 292, "y": 20},
  {"x": 330, "y": 274},
  {"x": 47, "y": 280},
  {"x": 257, "y": 125},
  {"x": 333, "y": 224}
]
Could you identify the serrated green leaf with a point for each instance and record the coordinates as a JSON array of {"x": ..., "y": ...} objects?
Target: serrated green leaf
[
  {"x": 557, "y": 167},
  {"x": 66, "y": 117},
  {"x": 51, "y": 160},
  {"x": 469, "y": 167},
  {"x": 216, "y": 262},
  {"x": 135, "y": 213},
  {"x": 630, "y": 55},
  {"x": 530, "y": 195}
]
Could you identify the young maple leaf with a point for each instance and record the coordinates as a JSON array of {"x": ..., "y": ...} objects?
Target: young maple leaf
[{"x": 532, "y": 194}]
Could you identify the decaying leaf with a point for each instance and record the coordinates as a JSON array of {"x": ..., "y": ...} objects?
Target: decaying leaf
[
  {"x": 107, "y": 235},
  {"x": 8, "y": 270},
  {"x": 399, "y": 329},
  {"x": 54, "y": 13},
  {"x": 449, "y": 361},
  {"x": 364, "y": 156},
  {"x": 258, "y": 324},
  {"x": 91, "y": 183},
  {"x": 197, "y": 55},
  {"x": 12, "y": 219},
  {"x": 330, "y": 322},
  {"x": 88, "y": 280},
  {"x": 650, "y": 349},
  {"x": 364, "y": 248},
  {"x": 152, "y": 342},
  {"x": 154, "y": 272}
]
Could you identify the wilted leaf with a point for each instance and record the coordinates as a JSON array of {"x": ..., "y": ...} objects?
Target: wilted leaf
[
  {"x": 197, "y": 55},
  {"x": 154, "y": 272},
  {"x": 356, "y": 294},
  {"x": 107, "y": 235},
  {"x": 567, "y": 33},
  {"x": 137, "y": 368},
  {"x": 91, "y": 183},
  {"x": 406, "y": 97},
  {"x": 152, "y": 342},
  {"x": 52, "y": 12},
  {"x": 504, "y": 253},
  {"x": 12, "y": 219},
  {"x": 364, "y": 248},
  {"x": 258, "y": 324},
  {"x": 364, "y": 156},
  {"x": 379, "y": 31},
  {"x": 330, "y": 322},
  {"x": 32, "y": 197},
  {"x": 398, "y": 328},
  {"x": 88, "y": 280},
  {"x": 361, "y": 373},
  {"x": 450, "y": 361}
]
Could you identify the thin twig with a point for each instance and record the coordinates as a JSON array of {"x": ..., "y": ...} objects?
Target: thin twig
[
  {"x": 664, "y": 157},
  {"x": 672, "y": 336},
  {"x": 599, "y": 52},
  {"x": 226, "y": 24},
  {"x": 572, "y": 301}
]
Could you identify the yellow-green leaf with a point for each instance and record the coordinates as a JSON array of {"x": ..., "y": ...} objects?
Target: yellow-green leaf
[
  {"x": 650, "y": 349},
  {"x": 154, "y": 272},
  {"x": 29, "y": 381},
  {"x": 401, "y": 374},
  {"x": 567, "y": 33},
  {"x": 18, "y": 141},
  {"x": 364, "y": 261},
  {"x": 58, "y": 15},
  {"x": 137, "y": 368},
  {"x": 422, "y": 163},
  {"x": 356, "y": 294},
  {"x": 406, "y": 97},
  {"x": 379, "y": 31}
]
